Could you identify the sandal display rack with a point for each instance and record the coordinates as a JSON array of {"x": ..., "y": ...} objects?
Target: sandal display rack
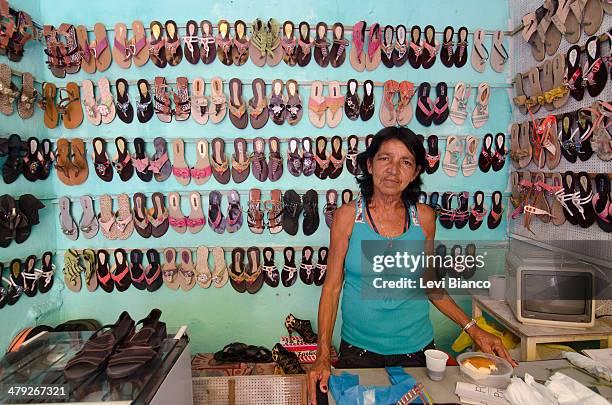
[{"x": 546, "y": 234}]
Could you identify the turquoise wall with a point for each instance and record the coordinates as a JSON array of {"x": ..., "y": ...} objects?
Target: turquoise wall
[{"x": 219, "y": 316}]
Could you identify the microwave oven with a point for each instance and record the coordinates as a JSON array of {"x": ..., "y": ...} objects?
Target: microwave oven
[{"x": 550, "y": 290}]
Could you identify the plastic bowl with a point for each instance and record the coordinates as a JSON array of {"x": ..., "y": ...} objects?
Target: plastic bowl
[{"x": 499, "y": 378}]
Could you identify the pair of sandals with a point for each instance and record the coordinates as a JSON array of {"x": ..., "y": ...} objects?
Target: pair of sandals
[
  {"x": 200, "y": 173},
  {"x": 550, "y": 89},
  {"x": 322, "y": 109},
  {"x": 34, "y": 163},
  {"x": 153, "y": 221},
  {"x": 461, "y": 216},
  {"x": 18, "y": 217},
  {"x": 452, "y": 159},
  {"x": 121, "y": 162},
  {"x": 246, "y": 278},
  {"x": 63, "y": 51},
  {"x": 16, "y": 29},
  {"x": 432, "y": 112},
  {"x": 327, "y": 165},
  {"x": 240, "y": 163},
  {"x": 25, "y": 277},
  {"x": 238, "y": 352},
  {"x": 194, "y": 222},
  {"x": 219, "y": 222},
  {"x": 272, "y": 209},
  {"x": 395, "y": 108},
  {"x": 69, "y": 109},
  {"x": 26, "y": 98},
  {"x": 354, "y": 108},
  {"x": 480, "y": 55},
  {"x": 70, "y": 161},
  {"x": 309, "y": 273},
  {"x": 293, "y": 205}
]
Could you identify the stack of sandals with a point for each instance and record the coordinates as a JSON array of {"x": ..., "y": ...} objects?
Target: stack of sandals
[
  {"x": 24, "y": 277},
  {"x": 16, "y": 29},
  {"x": 120, "y": 349}
]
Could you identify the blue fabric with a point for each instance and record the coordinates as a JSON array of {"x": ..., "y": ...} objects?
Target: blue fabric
[
  {"x": 346, "y": 390},
  {"x": 383, "y": 326}
]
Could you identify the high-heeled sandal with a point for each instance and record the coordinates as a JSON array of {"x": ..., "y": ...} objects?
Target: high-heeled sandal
[{"x": 302, "y": 327}]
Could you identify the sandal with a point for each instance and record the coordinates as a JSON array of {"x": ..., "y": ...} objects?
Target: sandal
[
  {"x": 404, "y": 108},
  {"x": 322, "y": 158},
  {"x": 208, "y": 50},
  {"x": 241, "y": 161},
  {"x": 153, "y": 271},
  {"x": 252, "y": 273},
  {"x": 274, "y": 207},
  {"x": 160, "y": 163},
  {"x": 275, "y": 161},
  {"x": 485, "y": 160},
  {"x": 400, "y": 51},
  {"x": 182, "y": 100},
  {"x": 101, "y": 48},
  {"x": 289, "y": 43},
  {"x": 67, "y": 224},
  {"x": 157, "y": 45},
  {"x": 321, "y": 45},
  {"x": 237, "y": 106},
  {"x": 220, "y": 273},
  {"x": 480, "y": 116},
  {"x": 258, "y": 43},
  {"x": 374, "y": 53},
  {"x": 100, "y": 159},
  {"x": 91, "y": 269},
  {"x": 186, "y": 271},
  {"x": 321, "y": 267},
  {"x": 469, "y": 164},
  {"x": 499, "y": 157},
  {"x": 305, "y": 44},
  {"x": 478, "y": 212},
  {"x": 174, "y": 52},
  {"x": 176, "y": 218},
  {"x": 415, "y": 51},
  {"x": 144, "y": 107},
  {"x": 124, "y": 221},
  {"x": 431, "y": 46},
  {"x": 462, "y": 44},
  {"x": 255, "y": 215},
  {"x": 454, "y": 149},
  {"x": 106, "y": 103},
  {"x": 89, "y": 221},
  {"x": 310, "y": 202},
  {"x": 195, "y": 221},
  {"x": 62, "y": 163},
  {"x": 120, "y": 271},
  {"x": 500, "y": 55},
  {"x": 480, "y": 54},
  {"x": 334, "y": 103},
  {"x": 351, "y": 100},
  {"x": 142, "y": 224},
  {"x": 294, "y": 158},
  {"x": 497, "y": 210},
  {"x": 356, "y": 54},
  {"x": 260, "y": 166},
  {"x": 236, "y": 270},
  {"x": 28, "y": 97},
  {"x": 440, "y": 106},
  {"x": 202, "y": 171},
  {"x": 72, "y": 270},
  {"x": 122, "y": 161},
  {"x": 45, "y": 274},
  {"x": 191, "y": 42},
  {"x": 602, "y": 203},
  {"x": 258, "y": 105},
  {"x": 158, "y": 216},
  {"x": 219, "y": 101},
  {"x": 330, "y": 206},
  {"x": 140, "y": 161},
  {"x": 292, "y": 207},
  {"x": 170, "y": 270},
  {"x": 270, "y": 271},
  {"x": 240, "y": 50},
  {"x": 337, "y": 53},
  {"x": 203, "y": 274},
  {"x": 336, "y": 158},
  {"x": 306, "y": 266},
  {"x": 216, "y": 220},
  {"x": 308, "y": 159},
  {"x": 277, "y": 104},
  {"x": 366, "y": 111},
  {"x": 317, "y": 104},
  {"x": 289, "y": 273},
  {"x": 69, "y": 106},
  {"x": 224, "y": 43},
  {"x": 89, "y": 102},
  {"x": 199, "y": 101},
  {"x": 47, "y": 103},
  {"x": 293, "y": 106},
  {"x": 425, "y": 107},
  {"x": 351, "y": 155},
  {"x": 219, "y": 162},
  {"x": 594, "y": 74},
  {"x": 180, "y": 169},
  {"x": 161, "y": 104},
  {"x": 234, "y": 212},
  {"x": 447, "y": 54},
  {"x": 433, "y": 155}
]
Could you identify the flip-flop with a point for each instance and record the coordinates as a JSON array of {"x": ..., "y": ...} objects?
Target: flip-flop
[
  {"x": 602, "y": 203},
  {"x": 182, "y": 99},
  {"x": 574, "y": 75},
  {"x": 157, "y": 44},
  {"x": 191, "y": 41},
  {"x": 336, "y": 157},
  {"x": 321, "y": 45},
  {"x": 121, "y": 53},
  {"x": 240, "y": 50},
  {"x": 124, "y": 221},
  {"x": 337, "y": 53},
  {"x": 400, "y": 51},
  {"x": 219, "y": 162},
  {"x": 144, "y": 108},
  {"x": 524, "y": 146},
  {"x": 106, "y": 101},
  {"x": 440, "y": 106},
  {"x": 186, "y": 272},
  {"x": 520, "y": 100},
  {"x": 294, "y": 157},
  {"x": 433, "y": 155},
  {"x": 199, "y": 101},
  {"x": 89, "y": 101},
  {"x": 499, "y": 156},
  {"x": 160, "y": 163},
  {"x": 79, "y": 170},
  {"x": 321, "y": 266},
  {"x": 567, "y": 22},
  {"x": 461, "y": 52},
  {"x": 219, "y": 100},
  {"x": 195, "y": 221},
  {"x": 425, "y": 106},
  {"x": 255, "y": 214},
  {"x": 158, "y": 216},
  {"x": 308, "y": 158},
  {"x": 275, "y": 161},
  {"x": 101, "y": 46},
  {"x": 125, "y": 111},
  {"x": 595, "y": 75},
  {"x": 161, "y": 100},
  {"x": 321, "y": 157},
  {"x": 137, "y": 270},
  {"x": 260, "y": 166},
  {"x": 9, "y": 90},
  {"x": 88, "y": 61},
  {"x": 497, "y": 210},
  {"x": 587, "y": 215},
  {"x": 289, "y": 274},
  {"x": 234, "y": 212},
  {"x": 316, "y": 104},
  {"x": 89, "y": 221},
  {"x": 68, "y": 226},
  {"x": 174, "y": 51},
  {"x": 220, "y": 272},
  {"x": 454, "y": 149},
  {"x": 202, "y": 171},
  {"x": 70, "y": 106},
  {"x": 72, "y": 270},
  {"x": 499, "y": 54},
  {"x": 153, "y": 271},
  {"x": 447, "y": 52},
  {"x": 51, "y": 115},
  {"x": 478, "y": 212},
  {"x": 430, "y": 47},
  {"x": 277, "y": 103},
  {"x": 216, "y": 219},
  {"x": 558, "y": 63},
  {"x": 202, "y": 270},
  {"x": 531, "y": 35},
  {"x": 140, "y": 161},
  {"x": 461, "y": 95},
  {"x": 120, "y": 271},
  {"x": 547, "y": 82},
  {"x": 123, "y": 160},
  {"x": 331, "y": 196},
  {"x": 352, "y": 143},
  {"x": 170, "y": 270},
  {"x": 102, "y": 163},
  {"x": 176, "y": 218},
  {"x": 236, "y": 270},
  {"x": 270, "y": 271},
  {"x": 592, "y": 15},
  {"x": 485, "y": 159},
  {"x": 415, "y": 52},
  {"x": 374, "y": 53},
  {"x": 480, "y": 54},
  {"x": 470, "y": 162},
  {"x": 106, "y": 218},
  {"x": 292, "y": 207},
  {"x": 305, "y": 44},
  {"x": 29, "y": 95},
  {"x": 480, "y": 116},
  {"x": 566, "y": 137},
  {"x": 356, "y": 55},
  {"x": 258, "y": 105},
  {"x": 387, "y": 46},
  {"x": 366, "y": 110},
  {"x": 289, "y": 43},
  {"x": 180, "y": 169},
  {"x": 306, "y": 266},
  {"x": 387, "y": 112},
  {"x": 335, "y": 103},
  {"x": 138, "y": 44},
  {"x": 404, "y": 107},
  {"x": 141, "y": 219},
  {"x": 548, "y": 31},
  {"x": 208, "y": 50},
  {"x": 241, "y": 161},
  {"x": 293, "y": 107}
]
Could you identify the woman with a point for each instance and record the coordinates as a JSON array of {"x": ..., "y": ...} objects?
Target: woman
[{"x": 375, "y": 332}]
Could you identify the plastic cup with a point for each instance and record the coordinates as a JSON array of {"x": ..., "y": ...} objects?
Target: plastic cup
[{"x": 436, "y": 364}]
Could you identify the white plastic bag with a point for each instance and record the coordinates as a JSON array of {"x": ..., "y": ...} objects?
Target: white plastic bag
[
  {"x": 528, "y": 392},
  {"x": 570, "y": 392}
]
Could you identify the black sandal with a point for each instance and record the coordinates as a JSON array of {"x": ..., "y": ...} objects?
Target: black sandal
[
  {"x": 30, "y": 286},
  {"x": 306, "y": 266},
  {"x": 270, "y": 271},
  {"x": 321, "y": 267},
  {"x": 45, "y": 276},
  {"x": 289, "y": 274},
  {"x": 13, "y": 166}
]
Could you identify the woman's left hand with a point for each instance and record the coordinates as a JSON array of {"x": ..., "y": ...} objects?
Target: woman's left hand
[{"x": 490, "y": 343}]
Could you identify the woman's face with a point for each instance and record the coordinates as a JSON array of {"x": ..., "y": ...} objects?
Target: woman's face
[{"x": 393, "y": 168}]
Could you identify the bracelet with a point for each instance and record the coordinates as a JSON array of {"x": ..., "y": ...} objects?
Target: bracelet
[{"x": 469, "y": 325}]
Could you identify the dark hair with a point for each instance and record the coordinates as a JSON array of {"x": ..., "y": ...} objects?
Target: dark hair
[{"x": 415, "y": 146}]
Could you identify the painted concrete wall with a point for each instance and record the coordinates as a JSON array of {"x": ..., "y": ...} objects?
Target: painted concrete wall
[{"x": 218, "y": 316}]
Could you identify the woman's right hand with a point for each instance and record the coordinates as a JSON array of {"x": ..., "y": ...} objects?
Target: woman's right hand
[{"x": 318, "y": 374}]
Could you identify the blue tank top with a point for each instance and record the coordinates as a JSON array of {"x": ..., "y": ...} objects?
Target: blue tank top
[{"x": 384, "y": 326}]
